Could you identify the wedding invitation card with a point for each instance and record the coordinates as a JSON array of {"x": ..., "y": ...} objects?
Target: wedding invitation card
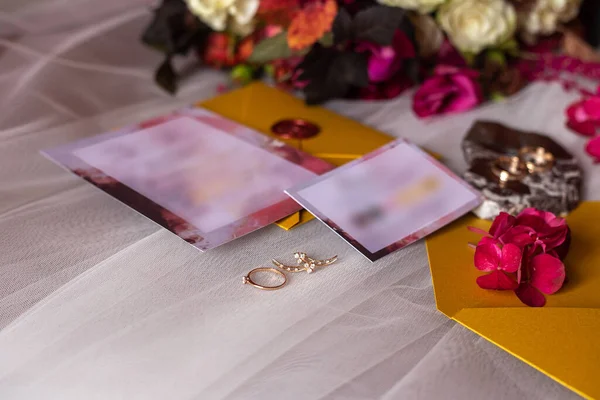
[
  {"x": 387, "y": 199},
  {"x": 205, "y": 178}
]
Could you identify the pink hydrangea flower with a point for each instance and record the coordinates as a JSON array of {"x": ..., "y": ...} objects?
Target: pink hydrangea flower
[
  {"x": 531, "y": 226},
  {"x": 523, "y": 254},
  {"x": 499, "y": 260}
]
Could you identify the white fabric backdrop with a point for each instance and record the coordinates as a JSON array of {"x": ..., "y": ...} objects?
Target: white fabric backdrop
[{"x": 96, "y": 302}]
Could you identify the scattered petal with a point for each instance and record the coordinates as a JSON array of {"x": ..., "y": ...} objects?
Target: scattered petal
[
  {"x": 593, "y": 148},
  {"x": 530, "y": 295},
  {"x": 583, "y": 116},
  {"x": 497, "y": 280}
]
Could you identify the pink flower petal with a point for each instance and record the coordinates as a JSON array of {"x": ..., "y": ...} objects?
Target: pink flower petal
[
  {"x": 448, "y": 90},
  {"x": 477, "y": 230},
  {"x": 519, "y": 235},
  {"x": 489, "y": 240},
  {"x": 593, "y": 148},
  {"x": 585, "y": 128},
  {"x": 497, "y": 280},
  {"x": 530, "y": 295},
  {"x": 591, "y": 107},
  {"x": 487, "y": 257},
  {"x": 531, "y": 211},
  {"x": 563, "y": 250},
  {"x": 575, "y": 112},
  {"x": 468, "y": 95},
  {"x": 545, "y": 227},
  {"x": 547, "y": 273},
  {"x": 511, "y": 258},
  {"x": 501, "y": 224}
]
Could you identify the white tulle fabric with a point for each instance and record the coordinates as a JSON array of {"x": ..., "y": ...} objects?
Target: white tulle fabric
[{"x": 97, "y": 302}]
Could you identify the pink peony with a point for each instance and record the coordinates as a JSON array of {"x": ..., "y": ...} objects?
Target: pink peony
[
  {"x": 593, "y": 148},
  {"x": 449, "y": 90}
]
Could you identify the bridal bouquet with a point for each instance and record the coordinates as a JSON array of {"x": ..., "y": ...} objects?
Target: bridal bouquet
[{"x": 457, "y": 53}]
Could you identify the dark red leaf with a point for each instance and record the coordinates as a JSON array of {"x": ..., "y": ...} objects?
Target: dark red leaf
[{"x": 530, "y": 295}]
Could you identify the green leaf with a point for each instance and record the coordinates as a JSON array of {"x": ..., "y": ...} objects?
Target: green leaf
[
  {"x": 469, "y": 57},
  {"x": 509, "y": 46},
  {"x": 496, "y": 56},
  {"x": 270, "y": 49},
  {"x": 242, "y": 74},
  {"x": 327, "y": 39},
  {"x": 497, "y": 97}
]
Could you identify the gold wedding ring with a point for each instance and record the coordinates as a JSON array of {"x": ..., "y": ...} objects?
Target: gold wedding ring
[
  {"x": 536, "y": 159},
  {"x": 248, "y": 279},
  {"x": 509, "y": 168}
]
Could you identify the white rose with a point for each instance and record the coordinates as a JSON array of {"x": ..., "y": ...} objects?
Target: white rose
[
  {"x": 473, "y": 25},
  {"x": 216, "y": 13},
  {"x": 546, "y": 15},
  {"x": 422, "y": 6}
]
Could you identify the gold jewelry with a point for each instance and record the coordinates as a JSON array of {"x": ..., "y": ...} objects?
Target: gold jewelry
[
  {"x": 536, "y": 159},
  {"x": 248, "y": 279},
  {"x": 508, "y": 168},
  {"x": 308, "y": 264}
]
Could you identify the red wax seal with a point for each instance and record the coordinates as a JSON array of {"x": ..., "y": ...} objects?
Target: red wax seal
[{"x": 295, "y": 129}]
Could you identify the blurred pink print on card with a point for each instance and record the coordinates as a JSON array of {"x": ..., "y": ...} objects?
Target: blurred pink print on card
[
  {"x": 387, "y": 199},
  {"x": 204, "y": 177}
]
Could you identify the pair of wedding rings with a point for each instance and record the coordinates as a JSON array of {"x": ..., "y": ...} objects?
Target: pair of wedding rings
[
  {"x": 530, "y": 160},
  {"x": 304, "y": 263}
]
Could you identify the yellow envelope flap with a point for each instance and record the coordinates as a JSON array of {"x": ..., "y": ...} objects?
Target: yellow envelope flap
[
  {"x": 260, "y": 106},
  {"x": 294, "y": 220},
  {"x": 560, "y": 339}
]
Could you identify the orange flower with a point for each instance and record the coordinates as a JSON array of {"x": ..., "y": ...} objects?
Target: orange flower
[
  {"x": 245, "y": 48},
  {"x": 311, "y": 23}
]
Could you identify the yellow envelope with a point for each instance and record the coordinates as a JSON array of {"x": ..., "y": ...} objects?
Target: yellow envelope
[
  {"x": 260, "y": 106},
  {"x": 561, "y": 339}
]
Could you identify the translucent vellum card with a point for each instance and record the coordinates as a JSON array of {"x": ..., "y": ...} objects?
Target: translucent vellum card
[
  {"x": 387, "y": 199},
  {"x": 206, "y": 178}
]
